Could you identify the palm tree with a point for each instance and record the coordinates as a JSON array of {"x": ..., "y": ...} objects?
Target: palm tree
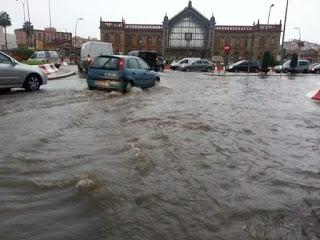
[
  {"x": 28, "y": 29},
  {"x": 5, "y": 21}
]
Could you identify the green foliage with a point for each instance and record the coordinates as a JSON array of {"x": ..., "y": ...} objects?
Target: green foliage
[
  {"x": 266, "y": 61},
  {"x": 5, "y": 20},
  {"x": 294, "y": 61},
  {"x": 31, "y": 62},
  {"x": 28, "y": 28},
  {"x": 24, "y": 53}
]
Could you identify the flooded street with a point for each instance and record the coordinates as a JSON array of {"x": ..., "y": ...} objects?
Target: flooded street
[{"x": 196, "y": 157}]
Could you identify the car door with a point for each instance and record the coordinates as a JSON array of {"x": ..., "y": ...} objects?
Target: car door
[
  {"x": 134, "y": 72},
  {"x": 147, "y": 74},
  {"x": 9, "y": 76},
  {"x": 196, "y": 66}
]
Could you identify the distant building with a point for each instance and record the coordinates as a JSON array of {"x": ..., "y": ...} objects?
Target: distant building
[
  {"x": 304, "y": 49},
  {"x": 190, "y": 34},
  {"x": 78, "y": 41},
  {"x": 11, "y": 40},
  {"x": 47, "y": 39}
]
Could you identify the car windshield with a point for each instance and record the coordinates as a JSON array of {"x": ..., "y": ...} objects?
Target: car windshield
[{"x": 108, "y": 63}]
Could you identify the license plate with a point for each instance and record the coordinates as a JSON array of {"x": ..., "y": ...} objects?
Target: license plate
[{"x": 103, "y": 83}]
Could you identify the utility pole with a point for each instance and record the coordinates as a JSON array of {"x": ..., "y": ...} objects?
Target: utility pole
[
  {"x": 284, "y": 34},
  {"x": 50, "y": 13}
]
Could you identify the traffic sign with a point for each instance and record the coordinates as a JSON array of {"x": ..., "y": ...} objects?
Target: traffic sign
[{"x": 227, "y": 48}]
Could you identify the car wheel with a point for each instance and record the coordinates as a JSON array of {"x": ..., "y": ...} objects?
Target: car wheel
[
  {"x": 188, "y": 69},
  {"x": 285, "y": 71},
  {"x": 305, "y": 71},
  {"x": 161, "y": 68},
  {"x": 317, "y": 71},
  {"x": 32, "y": 83},
  {"x": 209, "y": 69}
]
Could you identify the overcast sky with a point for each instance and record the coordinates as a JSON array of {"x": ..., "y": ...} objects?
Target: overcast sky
[{"x": 302, "y": 13}]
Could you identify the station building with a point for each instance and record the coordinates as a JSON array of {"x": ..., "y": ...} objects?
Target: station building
[{"x": 190, "y": 34}]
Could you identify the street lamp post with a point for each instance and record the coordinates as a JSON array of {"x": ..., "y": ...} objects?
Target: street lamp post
[
  {"x": 75, "y": 32},
  {"x": 271, "y": 6},
  {"x": 50, "y": 12},
  {"x": 284, "y": 34},
  {"x": 299, "y": 42}
]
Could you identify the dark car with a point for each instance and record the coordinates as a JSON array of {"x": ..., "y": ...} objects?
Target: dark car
[
  {"x": 315, "y": 68},
  {"x": 244, "y": 66},
  {"x": 155, "y": 60},
  {"x": 114, "y": 72}
]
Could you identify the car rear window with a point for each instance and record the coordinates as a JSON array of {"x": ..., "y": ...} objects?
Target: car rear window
[{"x": 108, "y": 63}]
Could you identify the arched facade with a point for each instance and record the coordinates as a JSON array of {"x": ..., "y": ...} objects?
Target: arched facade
[{"x": 188, "y": 34}]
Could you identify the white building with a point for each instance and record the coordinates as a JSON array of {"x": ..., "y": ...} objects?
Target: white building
[{"x": 11, "y": 40}]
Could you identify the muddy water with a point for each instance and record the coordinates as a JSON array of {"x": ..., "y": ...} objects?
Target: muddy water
[{"x": 196, "y": 157}]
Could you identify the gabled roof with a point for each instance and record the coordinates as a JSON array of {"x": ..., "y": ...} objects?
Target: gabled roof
[{"x": 189, "y": 11}]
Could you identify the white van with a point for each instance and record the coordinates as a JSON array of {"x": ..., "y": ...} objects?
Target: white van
[
  {"x": 93, "y": 49},
  {"x": 46, "y": 57}
]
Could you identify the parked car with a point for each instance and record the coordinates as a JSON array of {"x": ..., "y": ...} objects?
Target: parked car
[
  {"x": 315, "y": 68},
  {"x": 174, "y": 65},
  {"x": 16, "y": 74},
  {"x": 161, "y": 63},
  {"x": 302, "y": 67},
  {"x": 46, "y": 57},
  {"x": 244, "y": 66},
  {"x": 198, "y": 65},
  {"x": 120, "y": 73},
  {"x": 155, "y": 60},
  {"x": 90, "y": 51},
  {"x": 184, "y": 61}
]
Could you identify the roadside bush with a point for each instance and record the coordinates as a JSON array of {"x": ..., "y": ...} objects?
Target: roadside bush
[{"x": 23, "y": 53}]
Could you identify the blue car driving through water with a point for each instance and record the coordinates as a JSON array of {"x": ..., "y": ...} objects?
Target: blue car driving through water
[{"x": 120, "y": 73}]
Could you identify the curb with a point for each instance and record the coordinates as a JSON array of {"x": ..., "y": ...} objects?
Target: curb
[{"x": 61, "y": 75}]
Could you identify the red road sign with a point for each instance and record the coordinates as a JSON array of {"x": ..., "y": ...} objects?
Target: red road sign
[{"x": 227, "y": 48}]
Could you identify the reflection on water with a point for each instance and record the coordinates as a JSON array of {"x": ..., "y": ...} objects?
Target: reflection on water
[{"x": 195, "y": 157}]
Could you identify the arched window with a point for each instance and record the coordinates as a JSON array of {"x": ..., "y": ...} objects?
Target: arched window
[
  {"x": 139, "y": 40},
  {"x": 117, "y": 38},
  {"x": 273, "y": 41},
  {"x": 107, "y": 37},
  {"x": 149, "y": 40},
  {"x": 237, "y": 43},
  {"x": 187, "y": 33},
  {"x": 227, "y": 41},
  {"x": 262, "y": 41},
  {"x": 159, "y": 40}
]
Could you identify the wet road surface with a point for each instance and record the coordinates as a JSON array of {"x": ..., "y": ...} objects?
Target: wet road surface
[{"x": 196, "y": 157}]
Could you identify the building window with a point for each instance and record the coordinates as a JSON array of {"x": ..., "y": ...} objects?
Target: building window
[
  {"x": 217, "y": 42},
  {"x": 149, "y": 40},
  {"x": 262, "y": 41},
  {"x": 107, "y": 37},
  {"x": 227, "y": 41},
  {"x": 139, "y": 40},
  {"x": 237, "y": 43},
  {"x": 187, "y": 33},
  {"x": 273, "y": 41},
  {"x": 117, "y": 38},
  {"x": 159, "y": 40}
]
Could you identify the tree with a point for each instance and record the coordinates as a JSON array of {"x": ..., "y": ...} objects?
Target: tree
[
  {"x": 266, "y": 61},
  {"x": 28, "y": 29},
  {"x": 5, "y": 21},
  {"x": 294, "y": 62}
]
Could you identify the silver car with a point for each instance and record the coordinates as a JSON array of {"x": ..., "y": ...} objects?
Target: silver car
[
  {"x": 15, "y": 74},
  {"x": 198, "y": 65}
]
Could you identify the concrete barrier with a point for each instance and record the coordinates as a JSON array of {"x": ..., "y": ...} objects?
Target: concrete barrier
[{"x": 48, "y": 68}]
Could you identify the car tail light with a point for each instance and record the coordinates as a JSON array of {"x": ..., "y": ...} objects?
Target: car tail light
[{"x": 121, "y": 64}]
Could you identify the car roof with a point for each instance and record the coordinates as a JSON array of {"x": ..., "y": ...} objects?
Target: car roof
[{"x": 120, "y": 56}]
